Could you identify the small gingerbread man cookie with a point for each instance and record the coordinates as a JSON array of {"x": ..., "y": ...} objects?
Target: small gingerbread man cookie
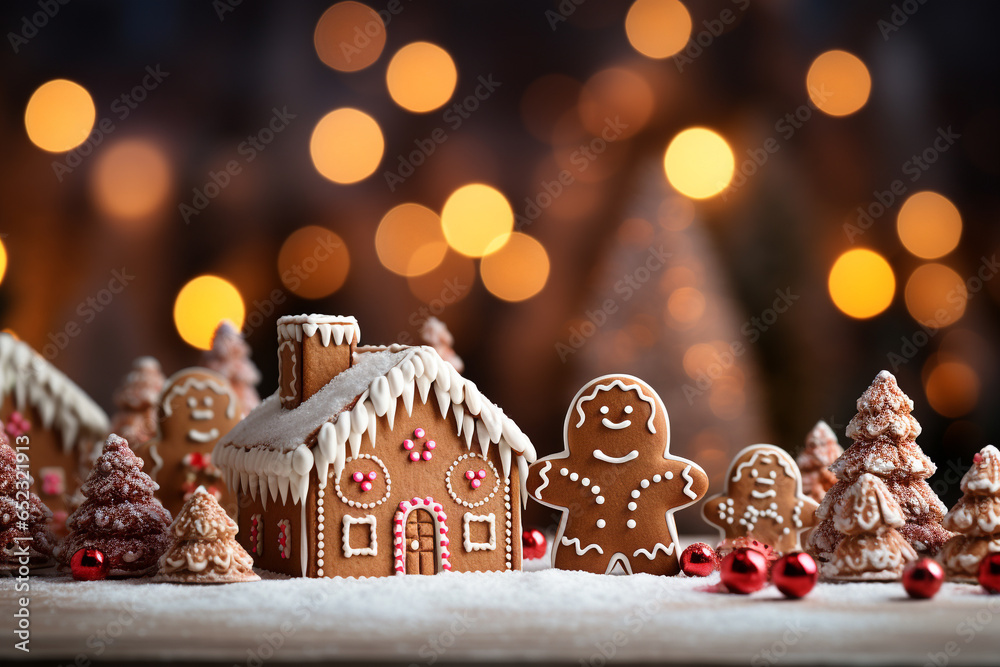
[
  {"x": 616, "y": 482},
  {"x": 763, "y": 499}
]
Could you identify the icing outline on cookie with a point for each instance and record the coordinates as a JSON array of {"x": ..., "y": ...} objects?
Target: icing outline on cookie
[{"x": 601, "y": 456}]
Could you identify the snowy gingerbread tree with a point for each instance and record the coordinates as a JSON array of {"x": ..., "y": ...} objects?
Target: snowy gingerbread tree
[
  {"x": 884, "y": 434},
  {"x": 120, "y": 517},
  {"x": 205, "y": 550},
  {"x": 868, "y": 516},
  {"x": 976, "y": 516},
  {"x": 435, "y": 333},
  {"x": 23, "y": 523},
  {"x": 230, "y": 357},
  {"x": 814, "y": 461},
  {"x": 137, "y": 400}
]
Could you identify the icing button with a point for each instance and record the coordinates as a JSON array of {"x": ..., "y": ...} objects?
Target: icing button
[
  {"x": 601, "y": 523},
  {"x": 630, "y": 523}
]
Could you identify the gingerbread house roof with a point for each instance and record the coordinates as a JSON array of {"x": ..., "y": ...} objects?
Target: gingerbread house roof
[
  {"x": 60, "y": 403},
  {"x": 272, "y": 451}
]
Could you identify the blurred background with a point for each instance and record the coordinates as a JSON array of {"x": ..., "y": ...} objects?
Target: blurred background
[{"x": 754, "y": 205}]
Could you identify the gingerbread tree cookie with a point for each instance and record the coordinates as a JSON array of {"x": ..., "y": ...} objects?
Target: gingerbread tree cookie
[
  {"x": 616, "y": 481},
  {"x": 205, "y": 550},
  {"x": 884, "y": 434},
  {"x": 229, "y": 356},
  {"x": 976, "y": 516},
  {"x": 23, "y": 521},
  {"x": 120, "y": 517},
  {"x": 137, "y": 400},
  {"x": 867, "y": 514},
  {"x": 763, "y": 500},
  {"x": 814, "y": 461},
  {"x": 435, "y": 333}
]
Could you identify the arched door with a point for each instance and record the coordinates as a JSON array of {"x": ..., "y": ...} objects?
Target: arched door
[{"x": 421, "y": 543}]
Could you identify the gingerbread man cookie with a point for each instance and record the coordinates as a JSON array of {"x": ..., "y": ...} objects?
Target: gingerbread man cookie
[
  {"x": 763, "y": 500},
  {"x": 197, "y": 407},
  {"x": 616, "y": 482}
]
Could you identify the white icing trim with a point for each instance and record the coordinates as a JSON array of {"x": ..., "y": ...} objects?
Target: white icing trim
[
  {"x": 667, "y": 551},
  {"x": 545, "y": 479},
  {"x": 218, "y": 384},
  {"x": 786, "y": 461},
  {"x": 601, "y": 456},
  {"x": 686, "y": 474},
  {"x": 195, "y": 435},
  {"x": 442, "y": 556},
  {"x": 373, "y": 536},
  {"x": 575, "y": 543},
  {"x": 60, "y": 404},
  {"x": 616, "y": 426},
  {"x": 385, "y": 473},
  {"x": 451, "y": 491},
  {"x": 636, "y": 387},
  {"x": 284, "y": 526},
  {"x": 467, "y": 542},
  {"x": 292, "y": 389}
]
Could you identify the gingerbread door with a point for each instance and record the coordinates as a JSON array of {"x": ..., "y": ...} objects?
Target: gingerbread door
[{"x": 421, "y": 543}]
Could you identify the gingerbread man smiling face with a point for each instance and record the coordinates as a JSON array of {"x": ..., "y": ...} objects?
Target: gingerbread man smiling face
[
  {"x": 763, "y": 499},
  {"x": 616, "y": 482}
]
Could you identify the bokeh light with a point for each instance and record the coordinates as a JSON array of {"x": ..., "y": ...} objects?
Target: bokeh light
[
  {"x": 409, "y": 240},
  {"x": 477, "y": 219},
  {"x": 202, "y": 304},
  {"x": 686, "y": 305},
  {"x": 131, "y": 181},
  {"x": 447, "y": 284},
  {"x": 421, "y": 77},
  {"x": 861, "y": 283},
  {"x": 838, "y": 83},
  {"x": 313, "y": 262},
  {"x": 935, "y": 295},
  {"x": 615, "y": 104},
  {"x": 658, "y": 28},
  {"x": 699, "y": 163},
  {"x": 349, "y": 36},
  {"x": 3, "y": 260},
  {"x": 929, "y": 225},
  {"x": 518, "y": 270},
  {"x": 952, "y": 388},
  {"x": 59, "y": 116},
  {"x": 346, "y": 146}
]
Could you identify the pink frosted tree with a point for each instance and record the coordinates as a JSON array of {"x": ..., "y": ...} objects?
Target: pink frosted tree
[
  {"x": 435, "y": 333},
  {"x": 120, "y": 517},
  {"x": 137, "y": 400},
  {"x": 230, "y": 357},
  {"x": 975, "y": 517},
  {"x": 23, "y": 523},
  {"x": 814, "y": 461}
]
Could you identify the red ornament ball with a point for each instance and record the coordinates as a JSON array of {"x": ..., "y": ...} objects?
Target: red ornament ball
[
  {"x": 744, "y": 571},
  {"x": 699, "y": 560},
  {"x": 533, "y": 544},
  {"x": 923, "y": 578},
  {"x": 89, "y": 565},
  {"x": 795, "y": 574},
  {"x": 989, "y": 573}
]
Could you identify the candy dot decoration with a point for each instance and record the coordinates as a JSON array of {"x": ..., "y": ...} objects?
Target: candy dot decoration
[
  {"x": 358, "y": 476},
  {"x": 407, "y": 444},
  {"x": 89, "y": 565},
  {"x": 744, "y": 571},
  {"x": 923, "y": 578},
  {"x": 418, "y": 433},
  {"x": 989, "y": 573},
  {"x": 795, "y": 574},
  {"x": 414, "y": 456},
  {"x": 699, "y": 560},
  {"x": 366, "y": 486},
  {"x": 430, "y": 444}
]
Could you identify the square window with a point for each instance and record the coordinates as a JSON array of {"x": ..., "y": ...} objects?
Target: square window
[
  {"x": 479, "y": 532},
  {"x": 361, "y": 540}
]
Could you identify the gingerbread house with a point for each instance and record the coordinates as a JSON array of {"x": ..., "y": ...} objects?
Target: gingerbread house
[
  {"x": 44, "y": 410},
  {"x": 372, "y": 461}
]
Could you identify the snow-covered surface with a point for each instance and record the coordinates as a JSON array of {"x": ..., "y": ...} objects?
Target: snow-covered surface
[{"x": 540, "y": 615}]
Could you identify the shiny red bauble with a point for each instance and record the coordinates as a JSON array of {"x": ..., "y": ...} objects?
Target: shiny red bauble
[
  {"x": 89, "y": 565},
  {"x": 989, "y": 573},
  {"x": 744, "y": 571},
  {"x": 923, "y": 578},
  {"x": 699, "y": 560},
  {"x": 795, "y": 574},
  {"x": 532, "y": 544}
]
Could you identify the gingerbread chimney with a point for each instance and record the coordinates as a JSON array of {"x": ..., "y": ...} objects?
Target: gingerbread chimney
[{"x": 312, "y": 350}]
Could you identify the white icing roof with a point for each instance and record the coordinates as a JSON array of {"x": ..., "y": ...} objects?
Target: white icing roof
[
  {"x": 273, "y": 450},
  {"x": 60, "y": 403}
]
